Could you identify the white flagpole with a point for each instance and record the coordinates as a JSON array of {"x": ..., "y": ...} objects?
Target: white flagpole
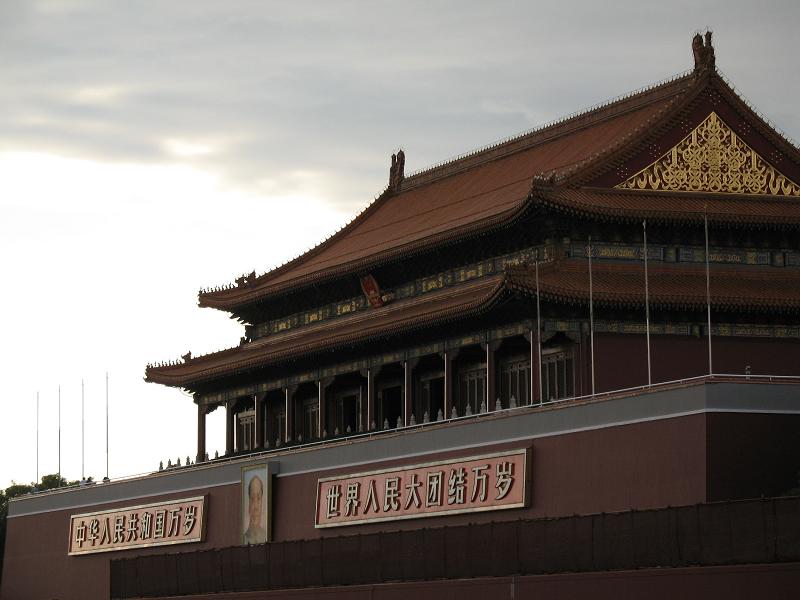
[
  {"x": 59, "y": 435},
  {"x": 647, "y": 303},
  {"x": 83, "y": 473},
  {"x": 708, "y": 296},
  {"x": 37, "y": 439},
  {"x": 538, "y": 335},
  {"x": 591, "y": 313},
  {"x": 106, "y": 425}
]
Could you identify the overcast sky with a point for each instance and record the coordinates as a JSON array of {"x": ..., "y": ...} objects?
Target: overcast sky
[{"x": 148, "y": 149}]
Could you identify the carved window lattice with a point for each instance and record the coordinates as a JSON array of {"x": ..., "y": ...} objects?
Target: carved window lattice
[{"x": 712, "y": 158}]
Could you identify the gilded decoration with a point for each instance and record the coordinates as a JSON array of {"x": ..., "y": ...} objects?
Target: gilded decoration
[{"x": 712, "y": 158}]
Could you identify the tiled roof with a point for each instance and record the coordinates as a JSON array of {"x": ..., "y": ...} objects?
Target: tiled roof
[
  {"x": 404, "y": 315},
  {"x": 674, "y": 207},
  {"x": 476, "y": 192},
  {"x": 670, "y": 286}
]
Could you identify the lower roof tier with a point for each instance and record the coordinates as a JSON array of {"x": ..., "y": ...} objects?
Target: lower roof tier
[{"x": 670, "y": 287}]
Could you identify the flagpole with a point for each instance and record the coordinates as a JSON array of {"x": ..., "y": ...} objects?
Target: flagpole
[
  {"x": 591, "y": 313},
  {"x": 83, "y": 473},
  {"x": 59, "y": 435},
  {"x": 538, "y": 335},
  {"x": 37, "y": 439},
  {"x": 106, "y": 425},
  {"x": 647, "y": 303},
  {"x": 708, "y": 295}
]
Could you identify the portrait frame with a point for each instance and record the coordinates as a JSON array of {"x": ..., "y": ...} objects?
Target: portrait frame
[{"x": 263, "y": 532}]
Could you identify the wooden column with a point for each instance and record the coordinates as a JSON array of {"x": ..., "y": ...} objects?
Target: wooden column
[
  {"x": 449, "y": 357},
  {"x": 289, "y": 391},
  {"x": 407, "y": 368},
  {"x": 370, "y": 409},
  {"x": 408, "y": 389},
  {"x": 322, "y": 385},
  {"x": 230, "y": 417},
  {"x": 586, "y": 367},
  {"x": 260, "y": 433},
  {"x": 491, "y": 378},
  {"x": 270, "y": 436},
  {"x": 201, "y": 433},
  {"x": 535, "y": 395}
]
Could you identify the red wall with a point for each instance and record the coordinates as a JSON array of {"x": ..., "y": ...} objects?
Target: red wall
[
  {"x": 742, "y": 582},
  {"x": 37, "y": 566},
  {"x": 652, "y": 464},
  {"x": 645, "y": 465},
  {"x": 621, "y": 358},
  {"x": 752, "y": 455}
]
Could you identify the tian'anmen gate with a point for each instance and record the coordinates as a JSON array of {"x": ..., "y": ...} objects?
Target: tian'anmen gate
[{"x": 564, "y": 366}]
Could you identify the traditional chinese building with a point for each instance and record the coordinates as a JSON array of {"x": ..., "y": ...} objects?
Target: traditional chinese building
[{"x": 566, "y": 365}]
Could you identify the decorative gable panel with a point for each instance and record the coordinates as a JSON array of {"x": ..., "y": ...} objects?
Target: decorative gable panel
[{"x": 712, "y": 158}]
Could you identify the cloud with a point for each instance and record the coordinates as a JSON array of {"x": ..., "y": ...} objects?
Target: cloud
[
  {"x": 336, "y": 89},
  {"x": 150, "y": 148}
]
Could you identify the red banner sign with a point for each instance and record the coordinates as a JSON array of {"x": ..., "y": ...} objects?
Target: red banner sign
[
  {"x": 158, "y": 524},
  {"x": 490, "y": 482}
]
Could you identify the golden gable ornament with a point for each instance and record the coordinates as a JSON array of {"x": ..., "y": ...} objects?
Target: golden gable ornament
[{"x": 712, "y": 158}]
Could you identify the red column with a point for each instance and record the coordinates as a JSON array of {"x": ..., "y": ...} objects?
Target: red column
[
  {"x": 535, "y": 395},
  {"x": 289, "y": 414},
  {"x": 407, "y": 370},
  {"x": 229, "y": 426},
  {"x": 370, "y": 408},
  {"x": 201, "y": 432},
  {"x": 259, "y": 402},
  {"x": 322, "y": 421},
  {"x": 449, "y": 357},
  {"x": 491, "y": 391}
]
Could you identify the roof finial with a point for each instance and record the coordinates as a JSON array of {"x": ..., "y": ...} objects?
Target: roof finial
[
  {"x": 396, "y": 174},
  {"x": 703, "y": 52}
]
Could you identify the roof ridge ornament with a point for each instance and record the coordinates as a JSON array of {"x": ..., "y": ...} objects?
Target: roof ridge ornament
[
  {"x": 396, "y": 171},
  {"x": 246, "y": 280},
  {"x": 703, "y": 51},
  {"x": 544, "y": 179}
]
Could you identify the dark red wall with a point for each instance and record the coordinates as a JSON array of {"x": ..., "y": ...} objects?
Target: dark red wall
[
  {"x": 651, "y": 464},
  {"x": 644, "y": 465},
  {"x": 37, "y": 566},
  {"x": 621, "y": 359},
  {"x": 752, "y": 455},
  {"x": 776, "y": 582}
]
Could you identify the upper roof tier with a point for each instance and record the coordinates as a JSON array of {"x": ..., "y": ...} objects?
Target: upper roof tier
[{"x": 608, "y": 147}]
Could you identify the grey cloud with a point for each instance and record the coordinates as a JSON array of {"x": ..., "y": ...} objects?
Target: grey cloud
[{"x": 333, "y": 88}]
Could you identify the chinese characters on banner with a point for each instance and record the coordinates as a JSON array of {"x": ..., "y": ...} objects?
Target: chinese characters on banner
[
  {"x": 158, "y": 524},
  {"x": 491, "y": 482}
]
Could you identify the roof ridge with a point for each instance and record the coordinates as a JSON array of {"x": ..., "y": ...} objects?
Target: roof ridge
[
  {"x": 529, "y": 138},
  {"x": 308, "y": 252},
  {"x": 587, "y": 168},
  {"x": 558, "y": 126},
  {"x": 767, "y": 121},
  {"x": 709, "y": 79}
]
